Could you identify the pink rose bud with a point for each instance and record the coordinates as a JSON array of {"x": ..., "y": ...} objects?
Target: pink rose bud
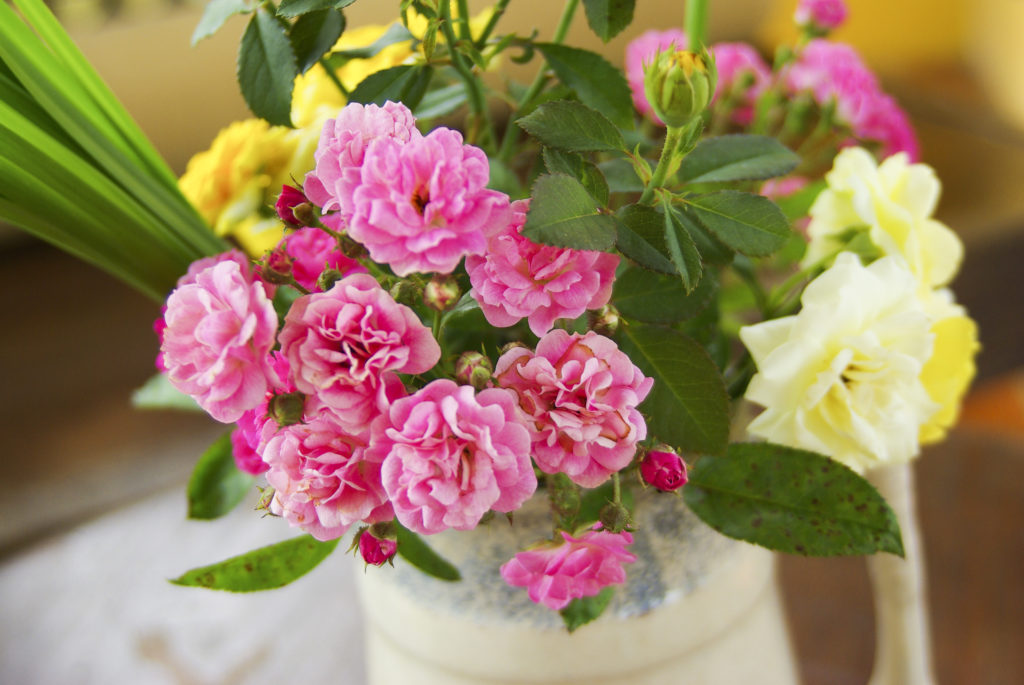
[
  {"x": 276, "y": 267},
  {"x": 442, "y": 293},
  {"x": 663, "y": 469},
  {"x": 820, "y": 16},
  {"x": 474, "y": 368},
  {"x": 287, "y": 201},
  {"x": 376, "y": 551}
]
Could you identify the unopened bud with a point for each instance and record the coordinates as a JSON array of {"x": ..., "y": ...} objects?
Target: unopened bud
[
  {"x": 605, "y": 320},
  {"x": 276, "y": 267},
  {"x": 327, "y": 279},
  {"x": 287, "y": 409},
  {"x": 351, "y": 248},
  {"x": 442, "y": 292},
  {"x": 663, "y": 469},
  {"x": 615, "y": 517},
  {"x": 406, "y": 292},
  {"x": 376, "y": 548},
  {"x": 287, "y": 201},
  {"x": 679, "y": 84},
  {"x": 474, "y": 368}
]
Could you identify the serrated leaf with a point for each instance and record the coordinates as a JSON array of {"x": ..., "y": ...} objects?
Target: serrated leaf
[
  {"x": 406, "y": 83},
  {"x": 641, "y": 238},
  {"x": 608, "y": 18},
  {"x": 216, "y": 13},
  {"x": 748, "y": 223},
  {"x": 441, "y": 101},
  {"x": 560, "y": 162},
  {"x": 737, "y": 158},
  {"x": 597, "y": 83},
  {"x": 216, "y": 485},
  {"x": 688, "y": 405},
  {"x": 158, "y": 393},
  {"x": 266, "y": 69},
  {"x": 314, "y": 34},
  {"x": 412, "y": 548},
  {"x": 681, "y": 250},
  {"x": 265, "y": 568},
  {"x": 396, "y": 33},
  {"x": 563, "y": 213},
  {"x": 570, "y": 125},
  {"x": 660, "y": 298},
  {"x": 583, "y": 610},
  {"x": 792, "y": 501},
  {"x": 711, "y": 249},
  {"x": 294, "y": 8}
]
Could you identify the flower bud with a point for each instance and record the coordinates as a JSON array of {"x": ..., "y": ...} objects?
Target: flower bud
[
  {"x": 664, "y": 469},
  {"x": 605, "y": 320},
  {"x": 442, "y": 292},
  {"x": 376, "y": 551},
  {"x": 818, "y": 17},
  {"x": 405, "y": 292},
  {"x": 474, "y": 368},
  {"x": 327, "y": 279},
  {"x": 287, "y": 409},
  {"x": 287, "y": 201},
  {"x": 679, "y": 84},
  {"x": 615, "y": 517},
  {"x": 276, "y": 267}
]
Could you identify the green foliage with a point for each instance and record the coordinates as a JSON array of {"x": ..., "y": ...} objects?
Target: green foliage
[
  {"x": 597, "y": 83},
  {"x": 750, "y": 224},
  {"x": 216, "y": 13},
  {"x": 570, "y": 125},
  {"x": 710, "y": 248},
  {"x": 406, "y": 83},
  {"x": 158, "y": 393},
  {"x": 641, "y": 238},
  {"x": 564, "y": 214},
  {"x": 313, "y": 34},
  {"x": 681, "y": 249},
  {"x": 583, "y": 610},
  {"x": 688, "y": 405},
  {"x": 267, "y": 69},
  {"x": 412, "y": 548},
  {"x": 559, "y": 162},
  {"x": 792, "y": 501},
  {"x": 608, "y": 18},
  {"x": 737, "y": 158},
  {"x": 441, "y": 101},
  {"x": 295, "y": 8},
  {"x": 217, "y": 485},
  {"x": 660, "y": 298},
  {"x": 265, "y": 568}
]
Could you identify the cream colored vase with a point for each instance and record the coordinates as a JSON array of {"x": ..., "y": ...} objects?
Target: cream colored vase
[{"x": 697, "y": 608}]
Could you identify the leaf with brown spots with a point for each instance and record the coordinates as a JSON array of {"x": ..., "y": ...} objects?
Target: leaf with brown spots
[{"x": 261, "y": 569}]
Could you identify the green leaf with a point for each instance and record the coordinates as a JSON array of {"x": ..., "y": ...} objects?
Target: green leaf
[
  {"x": 158, "y": 393},
  {"x": 441, "y": 101},
  {"x": 748, "y": 223},
  {"x": 412, "y": 548},
  {"x": 621, "y": 176},
  {"x": 266, "y": 69},
  {"x": 641, "y": 238},
  {"x": 583, "y": 610},
  {"x": 217, "y": 485},
  {"x": 711, "y": 248},
  {"x": 597, "y": 83},
  {"x": 564, "y": 214},
  {"x": 406, "y": 83},
  {"x": 558, "y": 162},
  {"x": 688, "y": 405},
  {"x": 293, "y": 8},
  {"x": 314, "y": 34},
  {"x": 737, "y": 158},
  {"x": 216, "y": 13},
  {"x": 681, "y": 249},
  {"x": 607, "y": 18},
  {"x": 792, "y": 501},
  {"x": 594, "y": 500},
  {"x": 396, "y": 33},
  {"x": 571, "y": 125},
  {"x": 261, "y": 569},
  {"x": 659, "y": 298}
]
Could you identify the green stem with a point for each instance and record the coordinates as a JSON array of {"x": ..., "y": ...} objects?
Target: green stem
[
  {"x": 696, "y": 22},
  {"x": 616, "y": 488},
  {"x": 499, "y": 9},
  {"x": 334, "y": 77},
  {"x": 665, "y": 163},
  {"x": 464, "y": 33},
  {"x": 512, "y": 133},
  {"x": 475, "y": 94}
]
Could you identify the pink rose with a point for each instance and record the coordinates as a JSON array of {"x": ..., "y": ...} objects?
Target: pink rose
[
  {"x": 885, "y": 121},
  {"x": 578, "y": 395},
  {"x": 423, "y": 205},
  {"x": 451, "y": 454},
  {"x": 820, "y": 15},
  {"x": 220, "y": 329},
  {"x": 517, "y": 278},
  {"x": 311, "y": 251},
  {"x": 344, "y": 346},
  {"x": 555, "y": 574},
  {"x": 376, "y": 551},
  {"x": 642, "y": 49},
  {"x": 735, "y": 63},
  {"x": 287, "y": 201},
  {"x": 323, "y": 479},
  {"x": 664, "y": 470},
  {"x": 200, "y": 265},
  {"x": 339, "y": 154},
  {"x": 245, "y": 441}
]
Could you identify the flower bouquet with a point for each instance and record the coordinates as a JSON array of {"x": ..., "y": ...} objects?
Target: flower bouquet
[{"x": 421, "y": 294}]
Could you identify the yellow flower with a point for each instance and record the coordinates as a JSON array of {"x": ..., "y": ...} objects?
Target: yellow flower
[
  {"x": 951, "y": 368},
  {"x": 894, "y": 202},
  {"x": 234, "y": 183},
  {"x": 845, "y": 376}
]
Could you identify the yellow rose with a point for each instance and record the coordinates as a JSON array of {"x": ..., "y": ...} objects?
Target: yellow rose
[
  {"x": 894, "y": 202},
  {"x": 235, "y": 183},
  {"x": 951, "y": 368},
  {"x": 844, "y": 376}
]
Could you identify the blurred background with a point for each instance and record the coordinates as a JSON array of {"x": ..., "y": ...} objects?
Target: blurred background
[{"x": 76, "y": 342}]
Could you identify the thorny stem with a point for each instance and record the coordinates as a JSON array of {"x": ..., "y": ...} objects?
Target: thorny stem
[{"x": 473, "y": 91}]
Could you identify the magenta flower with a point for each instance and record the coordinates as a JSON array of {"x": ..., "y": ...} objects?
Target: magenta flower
[
  {"x": 323, "y": 479},
  {"x": 554, "y": 574},
  {"x": 820, "y": 15},
  {"x": 200, "y": 265},
  {"x": 642, "y": 49},
  {"x": 885, "y": 121},
  {"x": 339, "y": 154},
  {"x": 664, "y": 469},
  {"x": 344, "y": 346},
  {"x": 311, "y": 251},
  {"x": 423, "y": 205},
  {"x": 738, "y": 63},
  {"x": 216, "y": 345},
  {"x": 578, "y": 395},
  {"x": 289, "y": 198},
  {"x": 376, "y": 551},
  {"x": 245, "y": 441},
  {"x": 451, "y": 454},
  {"x": 517, "y": 278}
]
